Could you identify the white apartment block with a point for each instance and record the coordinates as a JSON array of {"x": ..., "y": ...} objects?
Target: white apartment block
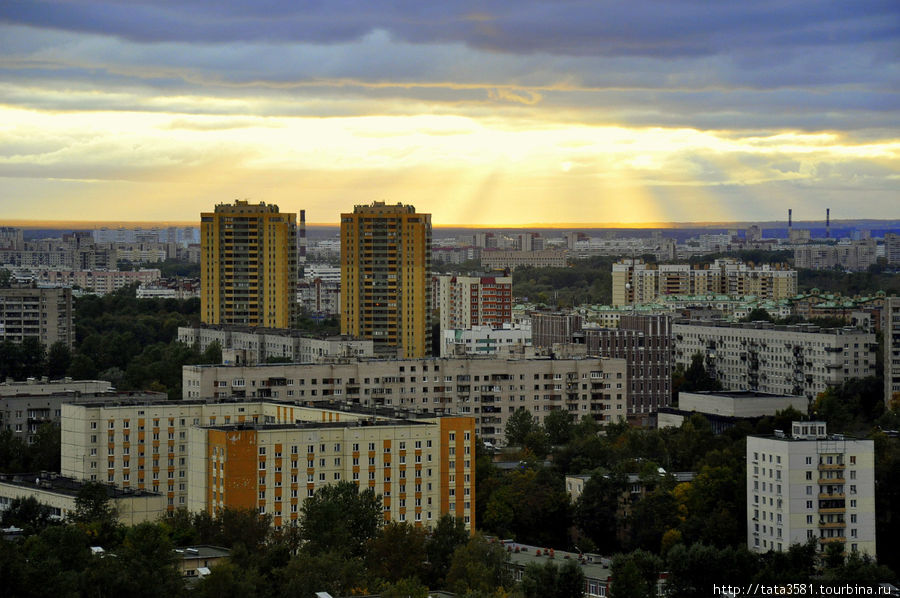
[
  {"x": 250, "y": 346},
  {"x": 810, "y": 485},
  {"x": 490, "y": 390},
  {"x": 486, "y": 340},
  {"x": 99, "y": 282},
  {"x": 785, "y": 360},
  {"x": 891, "y": 329},
  {"x": 270, "y": 456},
  {"x": 852, "y": 255}
]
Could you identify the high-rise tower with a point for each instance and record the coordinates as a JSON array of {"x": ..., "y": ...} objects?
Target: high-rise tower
[
  {"x": 386, "y": 277},
  {"x": 248, "y": 265}
]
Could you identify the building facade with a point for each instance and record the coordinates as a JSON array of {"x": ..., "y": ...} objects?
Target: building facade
[
  {"x": 544, "y": 258},
  {"x": 550, "y": 329},
  {"x": 250, "y": 346},
  {"x": 855, "y": 255},
  {"x": 635, "y": 282},
  {"x": 43, "y": 314},
  {"x": 477, "y": 301},
  {"x": 270, "y": 456},
  {"x": 891, "y": 327},
  {"x": 248, "y": 265},
  {"x": 809, "y": 484},
  {"x": 490, "y": 390},
  {"x": 486, "y": 340},
  {"x": 386, "y": 278},
  {"x": 787, "y": 360}
]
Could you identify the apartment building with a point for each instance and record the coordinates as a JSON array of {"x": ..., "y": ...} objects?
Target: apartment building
[
  {"x": 99, "y": 282},
  {"x": 892, "y": 248},
  {"x": 787, "y": 360},
  {"x": 250, "y": 346},
  {"x": 544, "y": 258},
  {"x": 635, "y": 282},
  {"x": 475, "y": 301},
  {"x": 550, "y": 329},
  {"x": 891, "y": 327},
  {"x": 489, "y": 390},
  {"x": 214, "y": 454},
  {"x": 44, "y": 314},
  {"x": 809, "y": 484},
  {"x": 645, "y": 343},
  {"x": 248, "y": 265},
  {"x": 386, "y": 278},
  {"x": 853, "y": 255},
  {"x": 421, "y": 468},
  {"x": 23, "y": 414},
  {"x": 486, "y": 341}
]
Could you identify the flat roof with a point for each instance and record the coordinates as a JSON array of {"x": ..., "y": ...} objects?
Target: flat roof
[
  {"x": 51, "y": 482},
  {"x": 304, "y": 425},
  {"x": 202, "y": 551},
  {"x": 741, "y": 394}
]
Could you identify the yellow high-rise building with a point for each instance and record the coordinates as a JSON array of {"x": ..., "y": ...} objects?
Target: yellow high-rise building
[
  {"x": 248, "y": 265},
  {"x": 386, "y": 278}
]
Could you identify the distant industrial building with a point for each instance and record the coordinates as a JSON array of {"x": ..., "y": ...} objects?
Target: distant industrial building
[{"x": 724, "y": 409}]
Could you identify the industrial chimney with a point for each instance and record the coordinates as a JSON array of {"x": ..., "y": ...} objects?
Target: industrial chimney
[
  {"x": 790, "y": 214},
  {"x": 827, "y": 223}
]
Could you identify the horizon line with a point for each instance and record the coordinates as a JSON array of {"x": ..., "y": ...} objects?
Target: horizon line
[{"x": 36, "y": 223}]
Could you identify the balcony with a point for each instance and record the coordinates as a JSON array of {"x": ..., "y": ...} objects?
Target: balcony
[
  {"x": 825, "y": 481},
  {"x": 832, "y": 524},
  {"x": 831, "y": 466},
  {"x": 831, "y": 496},
  {"x": 840, "y": 539}
]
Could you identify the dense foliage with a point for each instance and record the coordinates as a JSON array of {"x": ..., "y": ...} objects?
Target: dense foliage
[{"x": 584, "y": 281}]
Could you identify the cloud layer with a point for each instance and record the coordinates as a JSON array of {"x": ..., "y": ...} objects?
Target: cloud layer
[{"x": 686, "y": 107}]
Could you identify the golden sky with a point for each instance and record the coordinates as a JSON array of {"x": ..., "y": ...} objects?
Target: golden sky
[{"x": 591, "y": 112}]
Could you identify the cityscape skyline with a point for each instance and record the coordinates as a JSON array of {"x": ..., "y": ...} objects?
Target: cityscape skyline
[{"x": 510, "y": 115}]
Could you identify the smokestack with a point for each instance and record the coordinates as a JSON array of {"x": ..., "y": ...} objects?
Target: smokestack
[
  {"x": 301, "y": 239},
  {"x": 790, "y": 215},
  {"x": 827, "y": 223}
]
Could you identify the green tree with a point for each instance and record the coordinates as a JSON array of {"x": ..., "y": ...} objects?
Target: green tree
[
  {"x": 396, "y": 552},
  {"x": 597, "y": 507},
  {"x": 341, "y": 518},
  {"x": 405, "y": 588},
  {"x": 758, "y": 314},
  {"x": 59, "y": 357},
  {"x": 149, "y": 562},
  {"x": 519, "y": 425},
  {"x": 310, "y": 572},
  {"x": 227, "y": 580},
  {"x": 570, "y": 580},
  {"x": 558, "y": 424},
  {"x": 635, "y": 574},
  {"x": 478, "y": 566},
  {"x": 448, "y": 535},
  {"x": 28, "y": 514}
]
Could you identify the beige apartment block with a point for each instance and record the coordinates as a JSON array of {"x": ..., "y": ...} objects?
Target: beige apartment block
[
  {"x": 59, "y": 493},
  {"x": 788, "y": 360},
  {"x": 807, "y": 484},
  {"x": 489, "y": 390},
  {"x": 544, "y": 258},
  {"x": 421, "y": 468},
  {"x": 206, "y": 455},
  {"x": 43, "y": 314},
  {"x": 635, "y": 282}
]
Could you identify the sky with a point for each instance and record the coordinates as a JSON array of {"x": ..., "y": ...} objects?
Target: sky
[{"x": 512, "y": 112}]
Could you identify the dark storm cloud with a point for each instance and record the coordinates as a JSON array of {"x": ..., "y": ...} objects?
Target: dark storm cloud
[{"x": 660, "y": 28}]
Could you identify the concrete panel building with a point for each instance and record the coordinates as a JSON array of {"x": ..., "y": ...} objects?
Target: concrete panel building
[
  {"x": 545, "y": 258},
  {"x": 807, "y": 484},
  {"x": 489, "y": 390},
  {"x": 251, "y": 346},
  {"x": 43, "y": 314},
  {"x": 891, "y": 327},
  {"x": 271, "y": 455},
  {"x": 787, "y": 360}
]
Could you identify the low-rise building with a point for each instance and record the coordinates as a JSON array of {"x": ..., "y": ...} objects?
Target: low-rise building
[
  {"x": 723, "y": 409},
  {"x": 132, "y": 506},
  {"x": 808, "y": 484},
  {"x": 197, "y": 560},
  {"x": 486, "y": 340}
]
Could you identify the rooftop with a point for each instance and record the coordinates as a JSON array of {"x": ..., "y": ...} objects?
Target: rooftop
[{"x": 52, "y": 482}]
